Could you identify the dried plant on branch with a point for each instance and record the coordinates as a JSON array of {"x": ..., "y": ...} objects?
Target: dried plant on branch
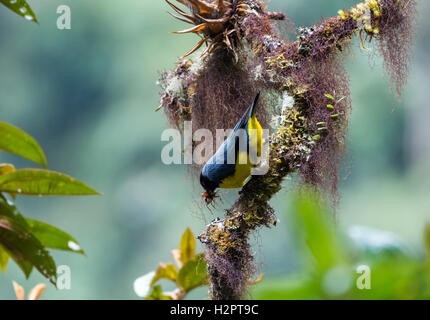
[
  {"x": 245, "y": 53},
  {"x": 216, "y": 22}
]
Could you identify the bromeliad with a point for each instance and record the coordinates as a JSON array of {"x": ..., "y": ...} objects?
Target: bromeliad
[{"x": 215, "y": 21}]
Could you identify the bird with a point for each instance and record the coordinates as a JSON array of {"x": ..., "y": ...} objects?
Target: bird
[{"x": 219, "y": 171}]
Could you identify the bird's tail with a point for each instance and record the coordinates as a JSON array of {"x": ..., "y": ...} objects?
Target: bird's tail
[{"x": 252, "y": 111}]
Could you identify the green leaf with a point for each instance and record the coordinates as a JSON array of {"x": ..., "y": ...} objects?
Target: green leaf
[
  {"x": 53, "y": 238},
  {"x": 43, "y": 182},
  {"x": 329, "y": 96},
  {"x": 157, "y": 294},
  {"x": 313, "y": 220},
  {"x": 18, "y": 142},
  {"x": 164, "y": 271},
  {"x": 6, "y": 168},
  {"x": 4, "y": 259},
  {"x": 330, "y": 106},
  {"x": 187, "y": 246},
  {"x": 193, "y": 274},
  {"x": 22, "y": 245},
  {"x": 25, "y": 266},
  {"x": 21, "y": 8}
]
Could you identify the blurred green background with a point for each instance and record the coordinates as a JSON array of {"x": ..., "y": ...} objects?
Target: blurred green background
[{"x": 88, "y": 96}]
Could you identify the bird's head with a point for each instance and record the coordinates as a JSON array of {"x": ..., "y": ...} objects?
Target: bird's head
[{"x": 209, "y": 187}]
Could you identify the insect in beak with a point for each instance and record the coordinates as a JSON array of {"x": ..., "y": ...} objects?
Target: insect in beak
[{"x": 208, "y": 197}]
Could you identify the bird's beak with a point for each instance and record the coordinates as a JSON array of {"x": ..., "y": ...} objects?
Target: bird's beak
[{"x": 205, "y": 195}]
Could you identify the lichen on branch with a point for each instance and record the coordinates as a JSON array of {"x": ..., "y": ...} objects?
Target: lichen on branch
[{"x": 306, "y": 75}]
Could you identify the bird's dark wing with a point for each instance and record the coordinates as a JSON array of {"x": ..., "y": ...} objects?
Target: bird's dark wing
[
  {"x": 220, "y": 166},
  {"x": 218, "y": 172}
]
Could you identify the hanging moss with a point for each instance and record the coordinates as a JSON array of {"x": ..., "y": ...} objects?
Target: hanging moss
[{"x": 396, "y": 37}]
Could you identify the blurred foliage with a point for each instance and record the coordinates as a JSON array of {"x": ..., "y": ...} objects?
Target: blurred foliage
[
  {"x": 363, "y": 263},
  {"x": 25, "y": 240},
  {"x": 191, "y": 273},
  {"x": 20, "y": 7}
]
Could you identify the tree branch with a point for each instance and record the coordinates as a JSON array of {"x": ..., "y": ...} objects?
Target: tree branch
[{"x": 310, "y": 138}]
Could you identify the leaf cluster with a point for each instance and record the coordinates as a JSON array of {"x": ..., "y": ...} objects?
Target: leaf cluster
[
  {"x": 189, "y": 273},
  {"x": 24, "y": 240}
]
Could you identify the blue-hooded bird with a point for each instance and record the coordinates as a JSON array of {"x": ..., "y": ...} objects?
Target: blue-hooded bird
[{"x": 230, "y": 166}]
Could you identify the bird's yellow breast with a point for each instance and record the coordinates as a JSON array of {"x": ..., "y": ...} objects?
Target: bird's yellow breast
[{"x": 244, "y": 163}]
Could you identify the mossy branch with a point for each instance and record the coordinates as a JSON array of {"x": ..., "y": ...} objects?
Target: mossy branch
[{"x": 310, "y": 138}]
